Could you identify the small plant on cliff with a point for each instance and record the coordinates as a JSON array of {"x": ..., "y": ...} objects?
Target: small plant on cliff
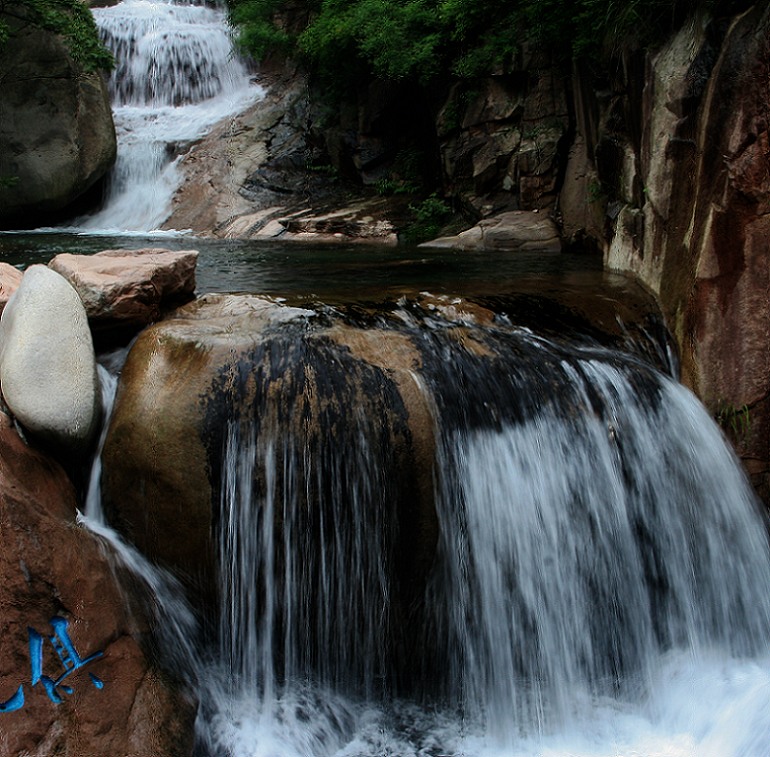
[
  {"x": 71, "y": 19},
  {"x": 734, "y": 420}
]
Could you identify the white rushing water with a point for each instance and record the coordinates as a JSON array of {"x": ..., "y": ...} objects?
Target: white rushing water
[
  {"x": 176, "y": 76},
  {"x": 603, "y": 585}
]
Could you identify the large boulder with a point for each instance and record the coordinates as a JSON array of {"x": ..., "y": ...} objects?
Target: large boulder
[
  {"x": 47, "y": 364},
  {"x": 227, "y": 360},
  {"x": 57, "y": 138},
  {"x": 129, "y": 288},
  {"x": 52, "y": 567}
]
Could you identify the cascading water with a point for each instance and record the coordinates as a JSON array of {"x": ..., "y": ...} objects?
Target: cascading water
[
  {"x": 176, "y": 75},
  {"x": 600, "y": 582}
]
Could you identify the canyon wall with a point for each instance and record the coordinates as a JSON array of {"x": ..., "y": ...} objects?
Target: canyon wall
[{"x": 678, "y": 149}]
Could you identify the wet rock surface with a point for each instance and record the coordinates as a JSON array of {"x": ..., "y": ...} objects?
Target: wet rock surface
[{"x": 337, "y": 380}]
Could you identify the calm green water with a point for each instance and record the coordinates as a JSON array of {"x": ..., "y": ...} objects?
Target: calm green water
[{"x": 327, "y": 272}]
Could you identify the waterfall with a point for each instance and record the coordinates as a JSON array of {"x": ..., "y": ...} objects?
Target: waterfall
[
  {"x": 176, "y": 75},
  {"x": 599, "y": 587}
]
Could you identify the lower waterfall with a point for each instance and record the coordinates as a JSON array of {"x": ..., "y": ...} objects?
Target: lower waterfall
[{"x": 599, "y": 585}]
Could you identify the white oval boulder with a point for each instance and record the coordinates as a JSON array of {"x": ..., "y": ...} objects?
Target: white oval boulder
[{"x": 47, "y": 363}]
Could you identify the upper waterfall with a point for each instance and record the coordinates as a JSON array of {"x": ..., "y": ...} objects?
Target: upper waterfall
[{"x": 176, "y": 75}]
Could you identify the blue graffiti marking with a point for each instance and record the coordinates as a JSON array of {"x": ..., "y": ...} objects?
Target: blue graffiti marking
[
  {"x": 71, "y": 660},
  {"x": 15, "y": 702}
]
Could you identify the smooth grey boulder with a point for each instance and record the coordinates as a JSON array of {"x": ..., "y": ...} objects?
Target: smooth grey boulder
[{"x": 47, "y": 363}]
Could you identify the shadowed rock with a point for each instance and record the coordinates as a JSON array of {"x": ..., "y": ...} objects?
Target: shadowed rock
[{"x": 57, "y": 138}]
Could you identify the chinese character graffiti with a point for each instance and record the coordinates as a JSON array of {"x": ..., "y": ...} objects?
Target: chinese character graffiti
[{"x": 71, "y": 660}]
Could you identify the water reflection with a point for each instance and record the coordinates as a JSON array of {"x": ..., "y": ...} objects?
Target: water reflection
[{"x": 329, "y": 272}]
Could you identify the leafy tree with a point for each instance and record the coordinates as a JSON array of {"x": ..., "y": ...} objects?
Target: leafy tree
[
  {"x": 420, "y": 39},
  {"x": 71, "y": 19},
  {"x": 260, "y": 33}
]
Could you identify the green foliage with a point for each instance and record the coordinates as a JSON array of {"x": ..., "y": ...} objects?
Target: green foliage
[
  {"x": 430, "y": 215},
  {"x": 395, "y": 39},
  {"x": 8, "y": 182},
  {"x": 259, "y": 34},
  {"x": 387, "y": 187},
  {"x": 421, "y": 39},
  {"x": 71, "y": 19},
  {"x": 734, "y": 420}
]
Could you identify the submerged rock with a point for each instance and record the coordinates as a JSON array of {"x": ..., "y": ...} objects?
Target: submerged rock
[
  {"x": 47, "y": 363},
  {"x": 52, "y": 567}
]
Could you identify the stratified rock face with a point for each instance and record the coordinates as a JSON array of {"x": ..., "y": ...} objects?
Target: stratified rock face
[
  {"x": 57, "y": 138},
  {"x": 499, "y": 139},
  {"x": 47, "y": 364},
  {"x": 129, "y": 287},
  {"x": 698, "y": 234},
  {"x": 51, "y": 568}
]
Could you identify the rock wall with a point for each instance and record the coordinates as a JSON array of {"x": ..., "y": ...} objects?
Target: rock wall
[
  {"x": 291, "y": 162},
  {"x": 681, "y": 168},
  {"x": 57, "y": 138}
]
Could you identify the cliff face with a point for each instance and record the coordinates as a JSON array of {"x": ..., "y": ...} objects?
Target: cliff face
[
  {"x": 57, "y": 138},
  {"x": 663, "y": 166},
  {"x": 684, "y": 163}
]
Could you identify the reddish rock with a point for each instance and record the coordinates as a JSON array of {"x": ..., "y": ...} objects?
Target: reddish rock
[
  {"x": 53, "y": 567},
  {"x": 10, "y": 278},
  {"x": 129, "y": 287},
  {"x": 698, "y": 237}
]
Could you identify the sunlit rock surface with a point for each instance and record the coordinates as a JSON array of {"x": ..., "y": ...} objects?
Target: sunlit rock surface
[
  {"x": 129, "y": 288},
  {"x": 516, "y": 230},
  {"x": 10, "y": 278}
]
